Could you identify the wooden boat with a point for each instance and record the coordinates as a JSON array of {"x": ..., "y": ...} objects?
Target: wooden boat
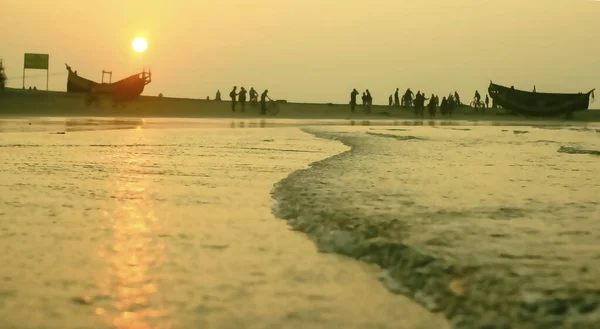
[
  {"x": 539, "y": 104},
  {"x": 126, "y": 89}
]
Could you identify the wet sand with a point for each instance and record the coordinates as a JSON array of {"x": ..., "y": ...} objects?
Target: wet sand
[
  {"x": 171, "y": 228},
  {"x": 494, "y": 226}
]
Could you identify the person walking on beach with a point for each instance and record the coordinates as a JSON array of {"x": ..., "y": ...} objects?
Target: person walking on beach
[
  {"x": 397, "y": 98},
  {"x": 477, "y": 97},
  {"x": 218, "y": 96},
  {"x": 456, "y": 98},
  {"x": 233, "y": 94},
  {"x": 263, "y": 101},
  {"x": 487, "y": 101},
  {"x": 242, "y": 98},
  {"x": 353, "y": 95},
  {"x": 364, "y": 99},
  {"x": 390, "y": 101}
]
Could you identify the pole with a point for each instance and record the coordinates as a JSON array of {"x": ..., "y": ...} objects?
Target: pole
[{"x": 23, "y": 76}]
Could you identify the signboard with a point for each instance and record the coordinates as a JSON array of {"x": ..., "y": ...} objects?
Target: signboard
[{"x": 36, "y": 61}]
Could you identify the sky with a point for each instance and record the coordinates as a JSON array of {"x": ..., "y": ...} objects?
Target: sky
[{"x": 310, "y": 50}]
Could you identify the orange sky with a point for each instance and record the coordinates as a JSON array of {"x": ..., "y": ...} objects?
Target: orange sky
[{"x": 311, "y": 50}]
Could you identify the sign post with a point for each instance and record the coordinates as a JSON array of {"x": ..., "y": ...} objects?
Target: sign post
[{"x": 36, "y": 62}]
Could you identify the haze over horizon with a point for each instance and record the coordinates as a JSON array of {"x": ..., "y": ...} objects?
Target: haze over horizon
[{"x": 312, "y": 50}]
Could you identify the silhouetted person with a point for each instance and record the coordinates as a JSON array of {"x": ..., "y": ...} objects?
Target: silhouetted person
[
  {"x": 397, "y": 98},
  {"x": 253, "y": 95},
  {"x": 431, "y": 106},
  {"x": 364, "y": 99},
  {"x": 369, "y": 98},
  {"x": 233, "y": 94},
  {"x": 534, "y": 89},
  {"x": 408, "y": 97},
  {"x": 420, "y": 103},
  {"x": 477, "y": 96},
  {"x": 218, "y": 96},
  {"x": 263, "y": 101},
  {"x": 242, "y": 98},
  {"x": 390, "y": 100},
  {"x": 487, "y": 101},
  {"x": 353, "y": 95},
  {"x": 456, "y": 98},
  {"x": 444, "y": 106}
]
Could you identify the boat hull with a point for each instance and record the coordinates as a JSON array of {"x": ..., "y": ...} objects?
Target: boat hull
[
  {"x": 126, "y": 89},
  {"x": 539, "y": 104}
]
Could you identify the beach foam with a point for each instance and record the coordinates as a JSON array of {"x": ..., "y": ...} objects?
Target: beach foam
[{"x": 494, "y": 229}]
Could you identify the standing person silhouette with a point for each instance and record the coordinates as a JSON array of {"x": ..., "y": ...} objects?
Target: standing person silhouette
[
  {"x": 353, "y": 95},
  {"x": 253, "y": 95},
  {"x": 233, "y": 94},
  {"x": 242, "y": 98},
  {"x": 397, "y": 98}
]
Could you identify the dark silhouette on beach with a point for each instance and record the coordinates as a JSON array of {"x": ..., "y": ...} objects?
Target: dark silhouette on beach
[
  {"x": 253, "y": 95},
  {"x": 431, "y": 106},
  {"x": 242, "y": 98},
  {"x": 397, "y": 97},
  {"x": 353, "y": 95},
  {"x": 218, "y": 96},
  {"x": 368, "y": 100},
  {"x": 233, "y": 95},
  {"x": 263, "y": 101},
  {"x": 407, "y": 98},
  {"x": 2, "y": 76}
]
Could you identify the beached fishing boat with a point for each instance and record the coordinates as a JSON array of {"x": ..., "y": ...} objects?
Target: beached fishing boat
[
  {"x": 532, "y": 103},
  {"x": 125, "y": 89}
]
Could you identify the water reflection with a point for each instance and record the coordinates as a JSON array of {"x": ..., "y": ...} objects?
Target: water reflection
[{"x": 133, "y": 253}]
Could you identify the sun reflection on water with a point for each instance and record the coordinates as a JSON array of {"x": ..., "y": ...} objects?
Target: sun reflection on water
[{"x": 132, "y": 253}]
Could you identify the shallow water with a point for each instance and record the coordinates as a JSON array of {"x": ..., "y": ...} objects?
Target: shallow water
[
  {"x": 171, "y": 228},
  {"x": 72, "y": 124},
  {"x": 507, "y": 214}
]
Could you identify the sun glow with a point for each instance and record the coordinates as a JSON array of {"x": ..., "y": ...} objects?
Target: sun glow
[{"x": 140, "y": 45}]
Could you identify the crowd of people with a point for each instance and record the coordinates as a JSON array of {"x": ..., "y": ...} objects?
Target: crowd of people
[
  {"x": 419, "y": 102},
  {"x": 241, "y": 96}
]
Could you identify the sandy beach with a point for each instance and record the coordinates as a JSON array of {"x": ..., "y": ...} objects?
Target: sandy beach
[
  {"x": 171, "y": 228},
  {"x": 18, "y": 103}
]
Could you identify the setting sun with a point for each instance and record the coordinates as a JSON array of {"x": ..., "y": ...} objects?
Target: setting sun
[{"x": 139, "y": 45}]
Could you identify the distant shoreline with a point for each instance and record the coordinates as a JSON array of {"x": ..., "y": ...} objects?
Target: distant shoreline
[{"x": 25, "y": 103}]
